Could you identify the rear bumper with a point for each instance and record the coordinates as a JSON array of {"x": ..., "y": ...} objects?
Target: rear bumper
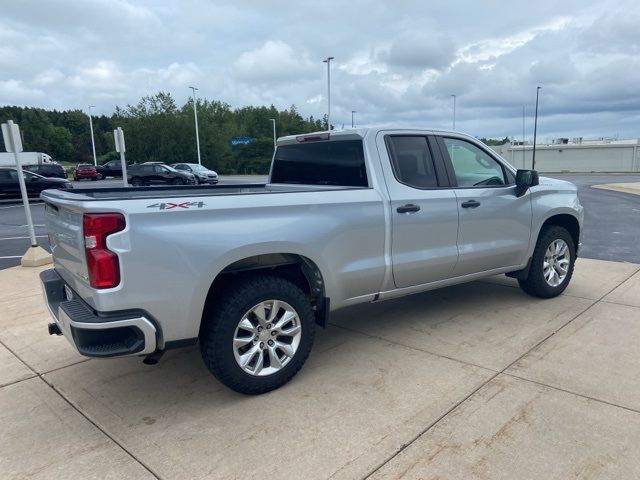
[{"x": 97, "y": 334}]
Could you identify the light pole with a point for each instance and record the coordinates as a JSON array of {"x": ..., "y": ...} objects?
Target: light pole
[
  {"x": 328, "y": 62},
  {"x": 195, "y": 115},
  {"x": 93, "y": 142},
  {"x": 535, "y": 130},
  {"x": 353, "y": 125},
  {"x": 523, "y": 136},
  {"x": 274, "y": 132},
  {"x": 454, "y": 111}
]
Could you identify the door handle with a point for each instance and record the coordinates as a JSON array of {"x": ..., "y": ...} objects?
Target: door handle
[
  {"x": 470, "y": 204},
  {"x": 408, "y": 208}
]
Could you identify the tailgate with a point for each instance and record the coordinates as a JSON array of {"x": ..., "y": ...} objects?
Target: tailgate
[{"x": 64, "y": 226}]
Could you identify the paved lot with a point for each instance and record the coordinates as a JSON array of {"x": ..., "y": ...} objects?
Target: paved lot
[
  {"x": 473, "y": 381},
  {"x": 612, "y": 219}
]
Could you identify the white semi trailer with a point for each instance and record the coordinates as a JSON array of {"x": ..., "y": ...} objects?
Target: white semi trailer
[{"x": 26, "y": 158}]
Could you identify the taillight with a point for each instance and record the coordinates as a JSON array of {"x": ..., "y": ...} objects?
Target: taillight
[{"x": 102, "y": 263}]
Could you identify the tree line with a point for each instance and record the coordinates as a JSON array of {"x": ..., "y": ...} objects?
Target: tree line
[{"x": 157, "y": 129}]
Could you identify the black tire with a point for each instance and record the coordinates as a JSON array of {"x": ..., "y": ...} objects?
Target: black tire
[
  {"x": 222, "y": 317},
  {"x": 136, "y": 182},
  {"x": 535, "y": 283},
  {"x": 177, "y": 181},
  {"x": 99, "y": 176}
]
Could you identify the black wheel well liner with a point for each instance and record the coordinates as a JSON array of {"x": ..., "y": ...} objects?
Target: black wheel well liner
[
  {"x": 567, "y": 221},
  {"x": 298, "y": 269}
]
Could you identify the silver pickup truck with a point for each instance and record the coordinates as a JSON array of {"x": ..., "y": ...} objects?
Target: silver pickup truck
[{"x": 249, "y": 270}]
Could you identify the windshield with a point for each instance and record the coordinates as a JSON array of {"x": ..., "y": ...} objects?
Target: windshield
[{"x": 197, "y": 168}]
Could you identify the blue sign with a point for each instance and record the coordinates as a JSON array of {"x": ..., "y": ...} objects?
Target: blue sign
[{"x": 240, "y": 140}]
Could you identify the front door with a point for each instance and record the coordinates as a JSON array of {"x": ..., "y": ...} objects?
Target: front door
[
  {"x": 423, "y": 210},
  {"x": 495, "y": 225}
]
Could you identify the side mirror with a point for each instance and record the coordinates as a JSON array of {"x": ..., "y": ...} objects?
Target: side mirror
[{"x": 524, "y": 180}]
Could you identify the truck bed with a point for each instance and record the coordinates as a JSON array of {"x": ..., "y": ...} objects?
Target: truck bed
[{"x": 130, "y": 193}]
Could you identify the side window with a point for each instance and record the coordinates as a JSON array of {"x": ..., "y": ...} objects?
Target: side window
[
  {"x": 412, "y": 161},
  {"x": 472, "y": 166}
]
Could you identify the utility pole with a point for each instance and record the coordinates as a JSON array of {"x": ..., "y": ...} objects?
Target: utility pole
[
  {"x": 454, "y": 111},
  {"x": 328, "y": 62},
  {"x": 93, "y": 142},
  {"x": 535, "y": 130},
  {"x": 195, "y": 115},
  {"x": 353, "y": 125}
]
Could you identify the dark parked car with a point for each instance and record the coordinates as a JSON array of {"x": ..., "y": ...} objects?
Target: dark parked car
[
  {"x": 112, "y": 168},
  {"x": 202, "y": 174},
  {"x": 157, "y": 174},
  {"x": 10, "y": 187},
  {"x": 52, "y": 170},
  {"x": 84, "y": 170}
]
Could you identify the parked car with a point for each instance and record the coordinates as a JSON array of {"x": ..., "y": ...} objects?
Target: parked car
[
  {"x": 345, "y": 218},
  {"x": 112, "y": 168},
  {"x": 202, "y": 174},
  {"x": 155, "y": 173},
  {"x": 85, "y": 170},
  {"x": 52, "y": 170},
  {"x": 10, "y": 187}
]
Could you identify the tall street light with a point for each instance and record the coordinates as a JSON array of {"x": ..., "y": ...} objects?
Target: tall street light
[
  {"x": 328, "y": 62},
  {"x": 535, "y": 130},
  {"x": 454, "y": 111},
  {"x": 93, "y": 142},
  {"x": 522, "y": 136},
  {"x": 195, "y": 115},
  {"x": 353, "y": 125},
  {"x": 274, "y": 132}
]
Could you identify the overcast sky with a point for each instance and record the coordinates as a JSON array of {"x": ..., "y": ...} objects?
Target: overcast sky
[{"x": 396, "y": 62}]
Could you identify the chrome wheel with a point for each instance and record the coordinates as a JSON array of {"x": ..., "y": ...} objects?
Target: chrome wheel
[
  {"x": 557, "y": 260},
  {"x": 267, "y": 337}
]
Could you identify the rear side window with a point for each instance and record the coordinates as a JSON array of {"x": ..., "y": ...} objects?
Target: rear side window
[
  {"x": 412, "y": 161},
  {"x": 339, "y": 162}
]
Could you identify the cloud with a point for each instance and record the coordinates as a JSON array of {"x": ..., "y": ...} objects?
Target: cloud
[
  {"x": 420, "y": 50},
  {"x": 395, "y": 63},
  {"x": 274, "y": 61}
]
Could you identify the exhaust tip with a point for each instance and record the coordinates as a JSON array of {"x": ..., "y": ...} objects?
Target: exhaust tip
[
  {"x": 54, "y": 329},
  {"x": 153, "y": 358}
]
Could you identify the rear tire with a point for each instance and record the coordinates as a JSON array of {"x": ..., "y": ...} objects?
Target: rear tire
[
  {"x": 136, "y": 182},
  {"x": 552, "y": 263},
  {"x": 224, "y": 348}
]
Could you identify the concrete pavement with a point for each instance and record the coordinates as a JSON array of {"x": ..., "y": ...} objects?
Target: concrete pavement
[
  {"x": 631, "y": 187},
  {"x": 473, "y": 381}
]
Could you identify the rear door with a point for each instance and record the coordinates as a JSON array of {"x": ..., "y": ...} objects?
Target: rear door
[
  {"x": 495, "y": 225},
  {"x": 424, "y": 211}
]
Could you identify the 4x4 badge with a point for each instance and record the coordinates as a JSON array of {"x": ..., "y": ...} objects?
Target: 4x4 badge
[{"x": 170, "y": 206}]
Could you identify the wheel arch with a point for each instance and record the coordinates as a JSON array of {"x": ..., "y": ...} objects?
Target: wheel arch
[
  {"x": 567, "y": 221},
  {"x": 297, "y": 268}
]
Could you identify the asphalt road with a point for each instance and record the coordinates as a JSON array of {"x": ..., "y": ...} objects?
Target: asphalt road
[
  {"x": 612, "y": 219},
  {"x": 611, "y": 229}
]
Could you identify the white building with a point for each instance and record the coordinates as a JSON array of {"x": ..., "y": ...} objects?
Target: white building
[{"x": 575, "y": 155}]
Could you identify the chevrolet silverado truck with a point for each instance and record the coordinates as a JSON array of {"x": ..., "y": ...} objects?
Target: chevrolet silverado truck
[{"x": 248, "y": 271}]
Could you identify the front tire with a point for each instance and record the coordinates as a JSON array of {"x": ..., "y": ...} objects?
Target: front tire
[
  {"x": 136, "y": 182},
  {"x": 552, "y": 263},
  {"x": 257, "y": 335}
]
